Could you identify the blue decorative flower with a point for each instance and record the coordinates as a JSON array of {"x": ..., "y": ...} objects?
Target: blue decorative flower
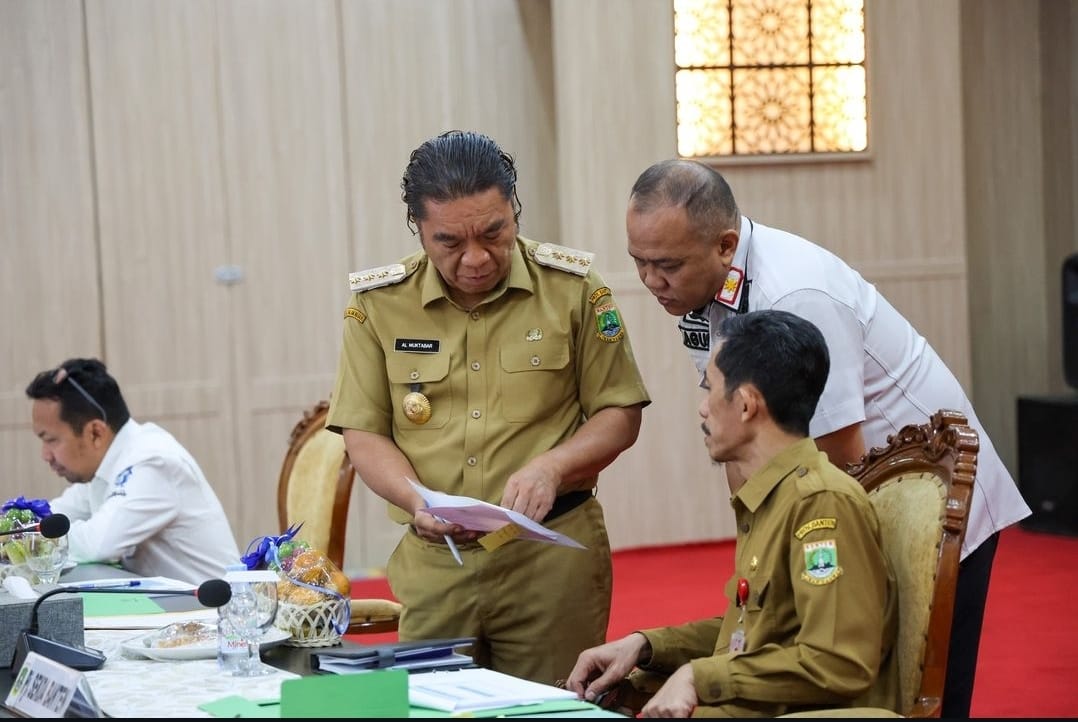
[
  {"x": 39, "y": 507},
  {"x": 265, "y": 549}
]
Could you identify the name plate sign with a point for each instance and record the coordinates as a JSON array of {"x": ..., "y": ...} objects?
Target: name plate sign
[{"x": 43, "y": 688}]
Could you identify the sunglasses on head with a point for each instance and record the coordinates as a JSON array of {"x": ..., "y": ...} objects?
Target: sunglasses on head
[{"x": 62, "y": 375}]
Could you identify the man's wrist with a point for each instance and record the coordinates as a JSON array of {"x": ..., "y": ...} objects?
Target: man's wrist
[{"x": 643, "y": 656}]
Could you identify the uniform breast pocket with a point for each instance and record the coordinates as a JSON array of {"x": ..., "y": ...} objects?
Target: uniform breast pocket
[
  {"x": 537, "y": 378},
  {"x": 425, "y": 375},
  {"x": 752, "y": 621}
]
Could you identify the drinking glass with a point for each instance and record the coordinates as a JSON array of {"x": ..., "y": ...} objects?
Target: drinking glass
[
  {"x": 45, "y": 557},
  {"x": 251, "y": 611}
]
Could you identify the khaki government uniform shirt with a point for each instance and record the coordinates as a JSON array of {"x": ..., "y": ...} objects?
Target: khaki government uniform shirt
[
  {"x": 821, "y": 612},
  {"x": 506, "y": 381}
]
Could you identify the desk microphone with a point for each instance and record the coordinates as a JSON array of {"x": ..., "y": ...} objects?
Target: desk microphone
[
  {"x": 211, "y": 593},
  {"x": 51, "y": 527}
]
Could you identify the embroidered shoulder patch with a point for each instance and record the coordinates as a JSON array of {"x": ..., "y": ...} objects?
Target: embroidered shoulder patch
[
  {"x": 353, "y": 312},
  {"x": 599, "y": 293},
  {"x": 821, "y": 523},
  {"x": 821, "y": 562},
  {"x": 608, "y": 322},
  {"x": 564, "y": 259},
  {"x": 376, "y": 277}
]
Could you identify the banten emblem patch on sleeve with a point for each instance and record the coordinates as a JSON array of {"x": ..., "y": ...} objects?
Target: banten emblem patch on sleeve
[
  {"x": 608, "y": 322},
  {"x": 821, "y": 562}
]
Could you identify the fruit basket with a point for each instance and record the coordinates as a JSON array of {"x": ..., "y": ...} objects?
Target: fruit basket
[{"x": 312, "y": 593}]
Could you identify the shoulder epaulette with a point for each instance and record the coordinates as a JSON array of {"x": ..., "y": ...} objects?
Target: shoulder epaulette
[
  {"x": 565, "y": 259},
  {"x": 376, "y": 277}
]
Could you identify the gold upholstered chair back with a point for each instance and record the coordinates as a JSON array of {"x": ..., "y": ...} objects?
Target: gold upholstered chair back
[
  {"x": 920, "y": 485},
  {"x": 315, "y": 484},
  {"x": 314, "y": 489}
]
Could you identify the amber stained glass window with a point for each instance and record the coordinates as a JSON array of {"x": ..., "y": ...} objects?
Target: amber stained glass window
[{"x": 762, "y": 77}]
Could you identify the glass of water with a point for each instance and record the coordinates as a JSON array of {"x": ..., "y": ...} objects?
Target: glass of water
[
  {"x": 251, "y": 610},
  {"x": 45, "y": 557}
]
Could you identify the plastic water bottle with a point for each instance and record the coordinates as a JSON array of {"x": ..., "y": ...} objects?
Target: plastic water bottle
[{"x": 231, "y": 649}]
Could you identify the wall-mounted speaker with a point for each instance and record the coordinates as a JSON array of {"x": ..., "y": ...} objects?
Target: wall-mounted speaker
[
  {"x": 1048, "y": 462},
  {"x": 1070, "y": 320}
]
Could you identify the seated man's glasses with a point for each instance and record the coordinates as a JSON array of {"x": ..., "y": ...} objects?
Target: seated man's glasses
[{"x": 62, "y": 375}]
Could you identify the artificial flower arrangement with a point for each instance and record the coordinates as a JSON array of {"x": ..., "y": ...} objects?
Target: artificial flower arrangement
[
  {"x": 15, "y": 514},
  {"x": 313, "y": 594}
]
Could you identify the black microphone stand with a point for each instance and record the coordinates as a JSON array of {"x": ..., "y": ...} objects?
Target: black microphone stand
[{"x": 212, "y": 593}]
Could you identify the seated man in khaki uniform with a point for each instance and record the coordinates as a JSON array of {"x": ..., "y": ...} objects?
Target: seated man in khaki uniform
[{"x": 811, "y": 614}]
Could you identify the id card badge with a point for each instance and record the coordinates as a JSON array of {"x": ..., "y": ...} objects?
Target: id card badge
[{"x": 737, "y": 639}]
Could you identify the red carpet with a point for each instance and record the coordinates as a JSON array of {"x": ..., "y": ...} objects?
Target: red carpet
[{"x": 1028, "y": 663}]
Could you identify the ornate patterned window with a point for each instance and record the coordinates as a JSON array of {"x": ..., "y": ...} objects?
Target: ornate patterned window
[{"x": 770, "y": 77}]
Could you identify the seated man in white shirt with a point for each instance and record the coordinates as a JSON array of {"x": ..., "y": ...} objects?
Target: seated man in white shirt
[{"x": 137, "y": 496}]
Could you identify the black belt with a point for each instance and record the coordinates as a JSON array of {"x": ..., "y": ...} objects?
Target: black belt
[{"x": 566, "y": 503}]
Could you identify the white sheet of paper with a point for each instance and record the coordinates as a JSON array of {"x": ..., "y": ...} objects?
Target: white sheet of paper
[
  {"x": 479, "y": 515},
  {"x": 476, "y": 689}
]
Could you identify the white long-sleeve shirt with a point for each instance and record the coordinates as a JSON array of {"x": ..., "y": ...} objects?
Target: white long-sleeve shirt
[
  {"x": 150, "y": 508},
  {"x": 884, "y": 374}
]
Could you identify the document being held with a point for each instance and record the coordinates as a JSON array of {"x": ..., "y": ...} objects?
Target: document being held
[{"x": 479, "y": 515}]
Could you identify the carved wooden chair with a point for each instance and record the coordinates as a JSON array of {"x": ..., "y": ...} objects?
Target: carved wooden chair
[
  {"x": 920, "y": 485},
  {"x": 314, "y": 488}
]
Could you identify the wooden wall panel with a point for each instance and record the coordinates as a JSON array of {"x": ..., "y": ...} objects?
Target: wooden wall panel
[
  {"x": 286, "y": 195},
  {"x": 1004, "y": 207},
  {"x": 1059, "y": 83},
  {"x": 163, "y": 221},
  {"x": 50, "y": 299}
]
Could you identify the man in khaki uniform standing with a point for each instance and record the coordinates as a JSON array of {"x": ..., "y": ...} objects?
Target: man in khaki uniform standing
[
  {"x": 492, "y": 366},
  {"x": 803, "y": 625}
]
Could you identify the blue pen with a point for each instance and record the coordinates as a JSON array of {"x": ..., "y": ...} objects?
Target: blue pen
[{"x": 107, "y": 585}]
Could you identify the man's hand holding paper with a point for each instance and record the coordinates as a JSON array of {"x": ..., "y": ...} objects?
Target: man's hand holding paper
[{"x": 478, "y": 515}]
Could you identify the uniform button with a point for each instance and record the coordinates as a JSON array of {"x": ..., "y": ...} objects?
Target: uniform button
[
  {"x": 745, "y": 528},
  {"x": 413, "y": 265},
  {"x": 414, "y": 375},
  {"x": 475, "y": 315},
  {"x": 476, "y": 413},
  {"x": 475, "y": 366},
  {"x": 801, "y": 471},
  {"x": 471, "y": 461},
  {"x": 535, "y": 361}
]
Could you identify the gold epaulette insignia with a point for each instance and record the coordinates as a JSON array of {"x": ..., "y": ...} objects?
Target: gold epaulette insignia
[
  {"x": 565, "y": 259},
  {"x": 376, "y": 277}
]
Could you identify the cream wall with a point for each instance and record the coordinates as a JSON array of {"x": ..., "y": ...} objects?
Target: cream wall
[{"x": 146, "y": 145}]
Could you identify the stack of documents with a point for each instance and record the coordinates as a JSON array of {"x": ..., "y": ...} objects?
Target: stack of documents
[
  {"x": 423, "y": 655},
  {"x": 479, "y": 515},
  {"x": 472, "y": 690}
]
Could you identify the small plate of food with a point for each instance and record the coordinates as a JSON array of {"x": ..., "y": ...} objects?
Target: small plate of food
[{"x": 188, "y": 640}]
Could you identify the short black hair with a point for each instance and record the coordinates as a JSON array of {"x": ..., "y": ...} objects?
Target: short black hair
[
  {"x": 698, "y": 188},
  {"x": 85, "y": 391},
  {"x": 457, "y": 164},
  {"x": 782, "y": 355}
]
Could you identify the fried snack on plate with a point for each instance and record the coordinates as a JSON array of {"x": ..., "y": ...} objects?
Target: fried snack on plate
[{"x": 183, "y": 634}]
